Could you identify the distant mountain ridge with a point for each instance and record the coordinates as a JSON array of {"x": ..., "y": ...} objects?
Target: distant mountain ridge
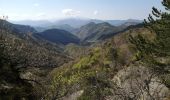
[
  {"x": 92, "y": 31},
  {"x": 33, "y": 22},
  {"x": 61, "y": 32},
  {"x": 73, "y": 22},
  {"x": 57, "y": 36},
  {"x": 63, "y": 27}
]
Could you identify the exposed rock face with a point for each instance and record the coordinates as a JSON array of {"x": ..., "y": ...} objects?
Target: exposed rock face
[
  {"x": 73, "y": 96},
  {"x": 138, "y": 83}
]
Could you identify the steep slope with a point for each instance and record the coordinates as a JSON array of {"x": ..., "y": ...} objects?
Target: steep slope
[
  {"x": 58, "y": 36},
  {"x": 108, "y": 72},
  {"x": 76, "y": 51},
  {"x": 11, "y": 85},
  {"x": 16, "y": 27},
  {"x": 24, "y": 28},
  {"x": 34, "y": 51},
  {"x": 124, "y": 29},
  {"x": 24, "y": 63},
  {"x": 92, "y": 31}
]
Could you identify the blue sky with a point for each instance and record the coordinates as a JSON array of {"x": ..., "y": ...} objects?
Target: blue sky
[{"x": 96, "y": 9}]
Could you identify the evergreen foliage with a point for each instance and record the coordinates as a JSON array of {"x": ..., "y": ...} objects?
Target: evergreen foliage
[{"x": 156, "y": 53}]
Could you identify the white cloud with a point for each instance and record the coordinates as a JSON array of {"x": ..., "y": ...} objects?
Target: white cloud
[
  {"x": 36, "y": 4},
  {"x": 95, "y": 12},
  {"x": 70, "y": 12}
]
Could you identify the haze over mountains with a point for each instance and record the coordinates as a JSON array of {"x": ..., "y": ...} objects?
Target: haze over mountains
[
  {"x": 89, "y": 30},
  {"x": 73, "y": 22}
]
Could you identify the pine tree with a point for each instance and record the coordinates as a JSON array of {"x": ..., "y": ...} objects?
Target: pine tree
[{"x": 156, "y": 53}]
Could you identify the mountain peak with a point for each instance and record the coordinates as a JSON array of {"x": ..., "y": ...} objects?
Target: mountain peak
[
  {"x": 91, "y": 23},
  {"x": 105, "y": 24}
]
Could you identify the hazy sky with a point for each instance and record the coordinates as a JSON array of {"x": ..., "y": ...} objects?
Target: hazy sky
[{"x": 96, "y": 9}]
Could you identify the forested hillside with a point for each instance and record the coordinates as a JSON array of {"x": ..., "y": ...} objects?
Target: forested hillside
[
  {"x": 98, "y": 61},
  {"x": 58, "y": 36},
  {"x": 132, "y": 65},
  {"x": 21, "y": 52},
  {"x": 92, "y": 32}
]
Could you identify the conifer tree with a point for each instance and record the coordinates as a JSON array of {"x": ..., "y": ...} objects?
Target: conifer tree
[{"x": 156, "y": 53}]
